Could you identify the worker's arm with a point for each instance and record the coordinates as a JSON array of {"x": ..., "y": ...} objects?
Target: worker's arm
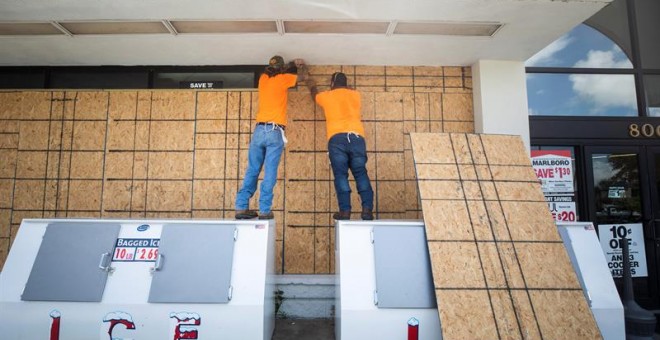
[{"x": 303, "y": 76}]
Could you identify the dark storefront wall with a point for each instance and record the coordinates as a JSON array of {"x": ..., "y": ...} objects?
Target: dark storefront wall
[{"x": 610, "y": 153}]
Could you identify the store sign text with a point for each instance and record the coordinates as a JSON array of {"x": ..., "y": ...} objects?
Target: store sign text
[{"x": 645, "y": 130}]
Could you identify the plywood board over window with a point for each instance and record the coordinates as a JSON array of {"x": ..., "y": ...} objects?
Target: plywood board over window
[
  {"x": 500, "y": 269},
  {"x": 183, "y": 153}
]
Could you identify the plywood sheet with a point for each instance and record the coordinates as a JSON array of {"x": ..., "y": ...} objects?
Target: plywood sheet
[
  {"x": 92, "y": 105},
  {"x": 85, "y": 195},
  {"x": 116, "y": 138},
  {"x": 497, "y": 259}
]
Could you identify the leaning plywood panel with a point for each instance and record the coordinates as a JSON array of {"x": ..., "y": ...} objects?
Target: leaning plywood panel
[{"x": 499, "y": 268}]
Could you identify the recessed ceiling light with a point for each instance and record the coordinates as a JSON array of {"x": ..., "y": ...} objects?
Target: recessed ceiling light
[
  {"x": 26, "y": 28},
  {"x": 447, "y": 28},
  {"x": 115, "y": 27},
  {"x": 357, "y": 27},
  {"x": 228, "y": 26}
]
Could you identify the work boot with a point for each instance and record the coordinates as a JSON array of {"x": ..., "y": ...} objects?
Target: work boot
[
  {"x": 367, "y": 214},
  {"x": 245, "y": 214},
  {"x": 266, "y": 216},
  {"x": 342, "y": 215}
]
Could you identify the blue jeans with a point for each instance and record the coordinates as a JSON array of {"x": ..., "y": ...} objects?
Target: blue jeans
[
  {"x": 349, "y": 151},
  {"x": 265, "y": 151}
]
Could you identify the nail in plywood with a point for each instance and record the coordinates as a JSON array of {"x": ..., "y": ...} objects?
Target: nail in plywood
[{"x": 389, "y": 106}]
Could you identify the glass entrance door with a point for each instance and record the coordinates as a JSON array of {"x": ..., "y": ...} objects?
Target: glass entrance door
[
  {"x": 652, "y": 220},
  {"x": 618, "y": 180}
]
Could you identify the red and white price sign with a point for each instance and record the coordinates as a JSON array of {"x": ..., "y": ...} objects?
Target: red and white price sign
[
  {"x": 136, "y": 250},
  {"x": 555, "y": 170},
  {"x": 562, "y": 211}
]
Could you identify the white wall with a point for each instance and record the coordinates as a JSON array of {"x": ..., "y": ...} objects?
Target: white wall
[{"x": 500, "y": 98}]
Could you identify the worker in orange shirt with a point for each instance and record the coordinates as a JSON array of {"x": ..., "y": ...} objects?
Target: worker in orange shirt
[
  {"x": 346, "y": 146},
  {"x": 268, "y": 139}
]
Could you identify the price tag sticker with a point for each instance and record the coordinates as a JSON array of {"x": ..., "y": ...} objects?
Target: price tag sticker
[{"x": 136, "y": 250}]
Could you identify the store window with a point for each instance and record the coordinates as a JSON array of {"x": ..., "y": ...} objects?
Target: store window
[
  {"x": 574, "y": 89},
  {"x": 582, "y": 47},
  {"x": 98, "y": 78},
  {"x": 652, "y": 86},
  {"x": 559, "y": 94},
  {"x": 617, "y": 188}
]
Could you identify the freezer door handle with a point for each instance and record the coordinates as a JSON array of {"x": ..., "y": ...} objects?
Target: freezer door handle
[
  {"x": 159, "y": 262},
  {"x": 104, "y": 263}
]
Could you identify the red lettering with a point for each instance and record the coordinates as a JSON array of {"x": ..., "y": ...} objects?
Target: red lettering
[{"x": 545, "y": 173}]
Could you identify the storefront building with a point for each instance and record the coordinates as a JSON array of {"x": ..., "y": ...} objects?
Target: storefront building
[
  {"x": 85, "y": 140},
  {"x": 595, "y": 93}
]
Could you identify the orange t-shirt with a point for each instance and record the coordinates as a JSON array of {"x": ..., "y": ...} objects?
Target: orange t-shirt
[
  {"x": 342, "y": 111},
  {"x": 273, "y": 93}
]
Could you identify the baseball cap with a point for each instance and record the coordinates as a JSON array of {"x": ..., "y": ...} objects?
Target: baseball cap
[{"x": 276, "y": 62}]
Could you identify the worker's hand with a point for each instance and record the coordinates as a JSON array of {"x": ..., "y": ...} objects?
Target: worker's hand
[{"x": 298, "y": 62}]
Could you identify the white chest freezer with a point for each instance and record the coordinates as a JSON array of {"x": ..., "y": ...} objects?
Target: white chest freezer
[
  {"x": 384, "y": 284},
  {"x": 139, "y": 279}
]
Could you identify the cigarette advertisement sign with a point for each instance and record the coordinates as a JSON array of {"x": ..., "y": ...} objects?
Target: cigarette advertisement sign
[
  {"x": 554, "y": 168},
  {"x": 610, "y": 240}
]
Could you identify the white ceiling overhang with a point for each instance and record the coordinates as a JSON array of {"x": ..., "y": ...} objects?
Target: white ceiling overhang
[{"x": 234, "y": 32}]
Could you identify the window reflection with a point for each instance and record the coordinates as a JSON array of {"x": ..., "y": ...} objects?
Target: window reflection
[
  {"x": 652, "y": 85},
  {"x": 617, "y": 190},
  {"x": 581, "y": 95},
  {"x": 582, "y": 47}
]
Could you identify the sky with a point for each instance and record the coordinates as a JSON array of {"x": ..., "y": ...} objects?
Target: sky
[{"x": 581, "y": 94}]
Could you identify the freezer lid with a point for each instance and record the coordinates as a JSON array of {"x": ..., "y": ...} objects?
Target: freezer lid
[
  {"x": 67, "y": 265},
  {"x": 403, "y": 268},
  {"x": 194, "y": 264}
]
